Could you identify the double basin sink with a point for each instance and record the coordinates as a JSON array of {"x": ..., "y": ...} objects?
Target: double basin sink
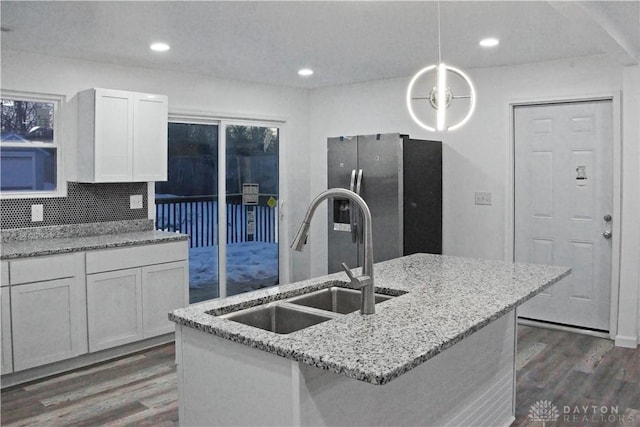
[{"x": 296, "y": 313}]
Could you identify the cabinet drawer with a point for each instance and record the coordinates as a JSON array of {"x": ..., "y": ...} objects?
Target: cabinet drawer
[
  {"x": 39, "y": 269},
  {"x": 135, "y": 256},
  {"x": 4, "y": 273}
]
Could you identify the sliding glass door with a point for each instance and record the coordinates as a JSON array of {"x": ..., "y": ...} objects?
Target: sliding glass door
[
  {"x": 188, "y": 202},
  {"x": 229, "y": 209},
  {"x": 252, "y": 200}
]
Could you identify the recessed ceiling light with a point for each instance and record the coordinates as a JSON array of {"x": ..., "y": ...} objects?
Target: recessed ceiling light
[
  {"x": 305, "y": 72},
  {"x": 489, "y": 42},
  {"x": 159, "y": 47}
]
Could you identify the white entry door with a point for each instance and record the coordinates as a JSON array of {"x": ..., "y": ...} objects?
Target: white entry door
[{"x": 563, "y": 207}]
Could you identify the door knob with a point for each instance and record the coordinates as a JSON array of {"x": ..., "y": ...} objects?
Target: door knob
[{"x": 607, "y": 234}]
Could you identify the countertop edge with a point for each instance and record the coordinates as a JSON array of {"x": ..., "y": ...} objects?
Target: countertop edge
[{"x": 170, "y": 237}]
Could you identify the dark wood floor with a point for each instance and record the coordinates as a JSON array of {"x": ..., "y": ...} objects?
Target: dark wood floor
[
  {"x": 139, "y": 390},
  {"x": 562, "y": 368},
  {"x": 573, "y": 372}
]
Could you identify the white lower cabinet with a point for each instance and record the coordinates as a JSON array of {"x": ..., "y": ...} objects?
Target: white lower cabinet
[
  {"x": 59, "y": 307},
  {"x": 131, "y": 304},
  {"x": 47, "y": 310},
  {"x": 114, "y": 308},
  {"x": 47, "y": 322}
]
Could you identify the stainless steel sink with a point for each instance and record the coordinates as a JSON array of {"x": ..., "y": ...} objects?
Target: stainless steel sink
[
  {"x": 335, "y": 299},
  {"x": 280, "y": 318},
  {"x": 296, "y": 313}
]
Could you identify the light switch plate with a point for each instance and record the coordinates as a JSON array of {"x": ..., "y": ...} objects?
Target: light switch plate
[
  {"x": 37, "y": 213},
  {"x": 135, "y": 201},
  {"x": 483, "y": 198}
]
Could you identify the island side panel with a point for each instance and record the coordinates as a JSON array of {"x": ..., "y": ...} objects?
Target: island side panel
[
  {"x": 471, "y": 383},
  {"x": 223, "y": 383}
]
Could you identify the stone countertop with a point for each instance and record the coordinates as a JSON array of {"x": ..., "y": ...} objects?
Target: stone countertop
[
  {"x": 447, "y": 298},
  {"x": 59, "y": 245}
]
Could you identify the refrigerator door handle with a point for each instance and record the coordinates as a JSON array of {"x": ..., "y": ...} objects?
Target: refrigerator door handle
[
  {"x": 352, "y": 215},
  {"x": 360, "y": 232},
  {"x": 352, "y": 184}
]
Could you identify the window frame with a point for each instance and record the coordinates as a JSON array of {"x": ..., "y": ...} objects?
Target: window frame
[{"x": 58, "y": 143}]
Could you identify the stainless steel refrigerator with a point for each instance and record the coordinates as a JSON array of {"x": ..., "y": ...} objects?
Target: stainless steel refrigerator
[{"x": 400, "y": 178}]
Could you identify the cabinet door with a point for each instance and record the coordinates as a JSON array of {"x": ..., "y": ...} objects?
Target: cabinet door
[
  {"x": 150, "y": 137},
  {"x": 164, "y": 289},
  {"x": 114, "y": 308},
  {"x": 113, "y": 155},
  {"x": 47, "y": 322},
  {"x": 5, "y": 313}
]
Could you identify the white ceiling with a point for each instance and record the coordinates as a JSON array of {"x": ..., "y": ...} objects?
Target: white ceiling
[{"x": 343, "y": 41}]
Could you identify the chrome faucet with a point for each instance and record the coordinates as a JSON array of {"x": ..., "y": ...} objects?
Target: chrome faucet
[{"x": 365, "y": 281}]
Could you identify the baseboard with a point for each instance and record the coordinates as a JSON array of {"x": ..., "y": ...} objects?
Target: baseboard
[
  {"x": 28, "y": 375},
  {"x": 626, "y": 341}
]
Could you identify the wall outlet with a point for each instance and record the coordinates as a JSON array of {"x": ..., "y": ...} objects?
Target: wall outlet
[
  {"x": 135, "y": 201},
  {"x": 483, "y": 198},
  {"x": 37, "y": 213}
]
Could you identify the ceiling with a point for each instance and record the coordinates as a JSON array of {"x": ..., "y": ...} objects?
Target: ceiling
[{"x": 342, "y": 41}]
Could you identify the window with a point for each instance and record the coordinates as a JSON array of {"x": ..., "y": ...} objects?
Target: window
[{"x": 30, "y": 157}]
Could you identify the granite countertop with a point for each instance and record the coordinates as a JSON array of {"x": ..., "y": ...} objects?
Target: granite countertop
[
  {"x": 59, "y": 245},
  {"x": 447, "y": 298}
]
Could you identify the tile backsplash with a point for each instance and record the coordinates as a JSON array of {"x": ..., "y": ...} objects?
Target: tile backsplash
[{"x": 85, "y": 203}]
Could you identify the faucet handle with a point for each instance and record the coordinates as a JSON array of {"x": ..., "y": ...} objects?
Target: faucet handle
[
  {"x": 356, "y": 282},
  {"x": 347, "y": 270}
]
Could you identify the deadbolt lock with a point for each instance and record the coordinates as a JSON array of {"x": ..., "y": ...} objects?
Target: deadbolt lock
[{"x": 607, "y": 233}]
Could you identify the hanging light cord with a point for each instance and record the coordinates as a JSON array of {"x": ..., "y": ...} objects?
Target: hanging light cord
[{"x": 439, "y": 40}]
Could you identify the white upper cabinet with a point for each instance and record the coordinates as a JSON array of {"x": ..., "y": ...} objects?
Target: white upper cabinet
[
  {"x": 122, "y": 136},
  {"x": 150, "y": 126}
]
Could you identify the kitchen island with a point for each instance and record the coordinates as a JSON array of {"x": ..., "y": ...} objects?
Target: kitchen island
[{"x": 441, "y": 352}]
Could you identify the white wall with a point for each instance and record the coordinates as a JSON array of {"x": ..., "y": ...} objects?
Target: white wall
[
  {"x": 187, "y": 92},
  {"x": 475, "y": 157},
  {"x": 628, "y": 331}
]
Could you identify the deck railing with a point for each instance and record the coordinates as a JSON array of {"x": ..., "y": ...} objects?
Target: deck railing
[{"x": 197, "y": 216}]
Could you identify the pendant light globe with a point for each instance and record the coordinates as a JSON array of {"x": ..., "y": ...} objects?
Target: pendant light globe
[{"x": 440, "y": 97}]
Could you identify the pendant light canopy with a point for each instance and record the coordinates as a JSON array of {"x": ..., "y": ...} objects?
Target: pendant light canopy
[{"x": 440, "y": 97}]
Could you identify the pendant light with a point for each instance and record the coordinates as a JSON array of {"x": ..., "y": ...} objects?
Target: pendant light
[{"x": 440, "y": 96}]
